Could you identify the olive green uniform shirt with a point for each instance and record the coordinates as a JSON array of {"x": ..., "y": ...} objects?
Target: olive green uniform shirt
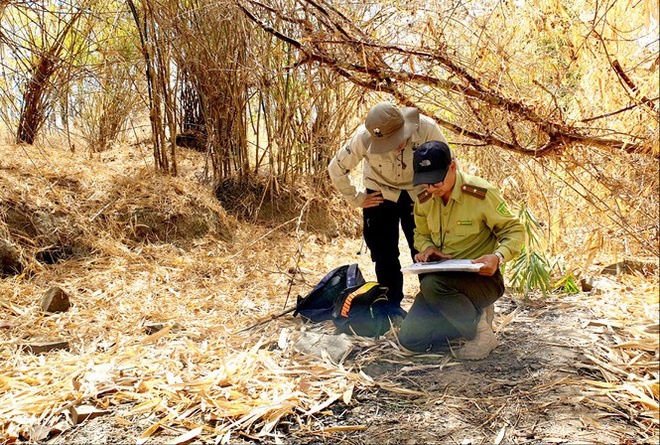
[{"x": 476, "y": 221}]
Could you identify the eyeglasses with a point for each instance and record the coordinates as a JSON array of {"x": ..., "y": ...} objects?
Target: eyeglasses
[{"x": 435, "y": 184}]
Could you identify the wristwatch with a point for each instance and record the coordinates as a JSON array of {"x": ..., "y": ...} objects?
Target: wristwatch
[{"x": 500, "y": 259}]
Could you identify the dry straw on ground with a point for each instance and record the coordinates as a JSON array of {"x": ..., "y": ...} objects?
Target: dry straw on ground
[
  {"x": 202, "y": 276},
  {"x": 187, "y": 278}
]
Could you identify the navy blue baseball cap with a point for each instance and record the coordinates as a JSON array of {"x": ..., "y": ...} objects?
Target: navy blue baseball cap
[{"x": 431, "y": 162}]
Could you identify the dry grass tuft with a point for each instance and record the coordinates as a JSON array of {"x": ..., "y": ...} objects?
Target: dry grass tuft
[
  {"x": 161, "y": 209},
  {"x": 65, "y": 203},
  {"x": 259, "y": 200}
]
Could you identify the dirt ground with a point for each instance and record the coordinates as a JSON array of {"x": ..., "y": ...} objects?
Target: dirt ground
[{"x": 525, "y": 392}]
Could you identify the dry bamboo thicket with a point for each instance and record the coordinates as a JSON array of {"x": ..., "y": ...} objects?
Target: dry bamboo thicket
[
  {"x": 67, "y": 69},
  {"x": 254, "y": 112},
  {"x": 211, "y": 51},
  {"x": 564, "y": 96},
  {"x": 156, "y": 49},
  {"x": 47, "y": 69},
  {"x": 237, "y": 95}
]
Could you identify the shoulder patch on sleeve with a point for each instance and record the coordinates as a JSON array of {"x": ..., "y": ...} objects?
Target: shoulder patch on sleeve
[
  {"x": 424, "y": 196},
  {"x": 503, "y": 210},
  {"x": 473, "y": 190}
]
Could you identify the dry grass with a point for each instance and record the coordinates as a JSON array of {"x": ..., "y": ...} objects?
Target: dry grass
[
  {"x": 162, "y": 250},
  {"x": 623, "y": 353},
  {"x": 156, "y": 251}
]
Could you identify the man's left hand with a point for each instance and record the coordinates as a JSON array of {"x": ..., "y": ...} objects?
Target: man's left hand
[{"x": 490, "y": 264}]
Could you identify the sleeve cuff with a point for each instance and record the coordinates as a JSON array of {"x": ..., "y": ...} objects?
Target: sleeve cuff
[
  {"x": 425, "y": 246},
  {"x": 359, "y": 199},
  {"x": 506, "y": 253}
]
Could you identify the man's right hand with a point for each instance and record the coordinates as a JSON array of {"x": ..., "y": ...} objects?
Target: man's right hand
[
  {"x": 373, "y": 200},
  {"x": 432, "y": 253}
]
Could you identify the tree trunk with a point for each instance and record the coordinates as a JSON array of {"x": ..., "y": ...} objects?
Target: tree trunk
[{"x": 34, "y": 105}]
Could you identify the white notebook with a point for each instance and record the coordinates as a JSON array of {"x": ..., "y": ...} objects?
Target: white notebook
[{"x": 442, "y": 266}]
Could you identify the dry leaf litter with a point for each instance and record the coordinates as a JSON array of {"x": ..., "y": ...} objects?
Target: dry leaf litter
[{"x": 155, "y": 250}]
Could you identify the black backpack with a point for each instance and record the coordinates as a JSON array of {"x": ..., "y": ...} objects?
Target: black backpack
[
  {"x": 363, "y": 310},
  {"x": 319, "y": 303}
]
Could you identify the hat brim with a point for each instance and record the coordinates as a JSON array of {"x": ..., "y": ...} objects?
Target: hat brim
[
  {"x": 384, "y": 145},
  {"x": 431, "y": 177}
]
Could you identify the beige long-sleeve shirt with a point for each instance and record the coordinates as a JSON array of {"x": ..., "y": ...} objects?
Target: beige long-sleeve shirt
[{"x": 390, "y": 172}]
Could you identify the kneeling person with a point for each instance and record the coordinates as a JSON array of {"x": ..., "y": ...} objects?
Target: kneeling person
[{"x": 463, "y": 217}]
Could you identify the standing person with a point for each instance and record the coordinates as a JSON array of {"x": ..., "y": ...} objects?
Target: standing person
[
  {"x": 463, "y": 217},
  {"x": 385, "y": 143}
]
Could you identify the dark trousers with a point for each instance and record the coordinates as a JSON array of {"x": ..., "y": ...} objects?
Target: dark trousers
[
  {"x": 448, "y": 306},
  {"x": 381, "y": 234}
]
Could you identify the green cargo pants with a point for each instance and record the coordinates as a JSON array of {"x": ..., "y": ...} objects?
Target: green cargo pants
[{"x": 448, "y": 306}]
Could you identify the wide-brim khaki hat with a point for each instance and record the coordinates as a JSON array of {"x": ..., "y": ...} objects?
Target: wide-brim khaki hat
[{"x": 389, "y": 126}]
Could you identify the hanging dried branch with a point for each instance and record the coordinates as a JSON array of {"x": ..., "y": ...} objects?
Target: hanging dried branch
[
  {"x": 327, "y": 37},
  {"x": 624, "y": 78},
  {"x": 633, "y": 88}
]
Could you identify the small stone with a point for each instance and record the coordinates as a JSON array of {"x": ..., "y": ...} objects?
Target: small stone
[
  {"x": 336, "y": 347},
  {"x": 55, "y": 300},
  {"x": 81, "y": 413},
  {"x": 587, "y": 284},
  {"x": 153, "y": 328},
  {"x": 43, "y": 347}
]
